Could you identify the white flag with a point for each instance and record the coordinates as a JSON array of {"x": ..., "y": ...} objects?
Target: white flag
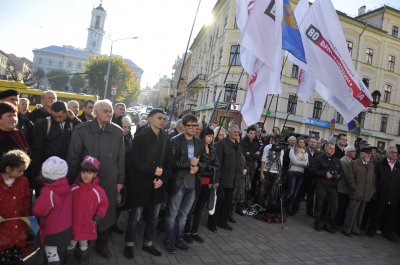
[
  {"x": 329, "y": 61},
  {"x": 261, "y": 44}
]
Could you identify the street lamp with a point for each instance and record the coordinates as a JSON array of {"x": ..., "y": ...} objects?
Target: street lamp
[
  {"x": 376, "y": 96},
  {"x": 109, "y": 63}
]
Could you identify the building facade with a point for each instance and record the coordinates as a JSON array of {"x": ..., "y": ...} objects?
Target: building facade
[{"x": 372, "y": 39}]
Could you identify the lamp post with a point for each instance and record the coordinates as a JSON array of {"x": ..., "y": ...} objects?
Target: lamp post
[{"x": 109, "y": 63}]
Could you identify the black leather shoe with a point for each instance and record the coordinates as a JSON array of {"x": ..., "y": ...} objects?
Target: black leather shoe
[
  {"x": 197, "y": 238},
  {"x": 117, "y": 230},
  {"x": 226, "y": 227},
  {"x": 230, "y": 219},
  {"x": 318, "y": 228},
  {"x": 104, "y": 252},
  {"x": 212, "y": 228},
  {"x": 346, "y": 234},
  {"x": 391, "y": 237},
  {"x": 182, "y": 246},
  {"x": 152, "y": 250},
  {"x": 330, "y": 229}
]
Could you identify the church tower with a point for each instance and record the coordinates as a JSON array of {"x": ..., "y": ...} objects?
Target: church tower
[{"x": 96, "y": 30}]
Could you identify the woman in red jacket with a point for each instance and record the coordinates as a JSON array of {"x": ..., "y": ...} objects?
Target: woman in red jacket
[
  {"x": 14, "y": 203},
  {"x": 90, "y": 204}
]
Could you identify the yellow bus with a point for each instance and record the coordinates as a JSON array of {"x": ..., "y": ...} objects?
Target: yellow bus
[{"x": 34, "y": 94}]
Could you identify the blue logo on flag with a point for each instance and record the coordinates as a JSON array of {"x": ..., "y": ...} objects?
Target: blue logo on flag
[
  {"x": 354, "y": 126},
  {"x": 291, "y": 38}
]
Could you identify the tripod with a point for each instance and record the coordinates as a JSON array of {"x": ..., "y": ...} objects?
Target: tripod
[{"x": 276, "y": 190}]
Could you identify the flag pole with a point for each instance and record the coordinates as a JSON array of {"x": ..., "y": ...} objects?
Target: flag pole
[
  {"x": 266, "y": 101},
  {"x": 214, "y": 110},
  {"x": 276, "y": 109},
  {"x": 177, "y": 86},
  {"x": 230, "y": 102}
]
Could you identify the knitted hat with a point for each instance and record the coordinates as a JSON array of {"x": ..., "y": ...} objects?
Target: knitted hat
[
  {"x": 54, "y": 168},
  {"x": 90, "y": 162}
]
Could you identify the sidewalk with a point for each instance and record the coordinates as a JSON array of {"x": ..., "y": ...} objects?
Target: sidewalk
[{"x": 257, "y": 242}]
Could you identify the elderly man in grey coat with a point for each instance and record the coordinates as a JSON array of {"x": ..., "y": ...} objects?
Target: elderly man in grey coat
[
  {"x": 104, "y": 140},
  {"x": 361, "y": 181}
]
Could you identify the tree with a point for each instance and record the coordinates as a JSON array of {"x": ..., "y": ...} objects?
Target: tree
[
  {"x": 58, "y": 79},
  {"x": 77, "y": 82},
  {"x": 37, "y": 77},
  {"x": 121, "y": 75}
]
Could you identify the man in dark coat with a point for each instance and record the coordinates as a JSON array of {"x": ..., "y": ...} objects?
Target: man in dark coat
[
  {"x": 186, "y": 152},
  {"x": 341, "y": 143},
  {"x": 328, "y": 171},
  {"x": 251, "y": 151},
  {"x": 145, "y": 181},
  {"x": 104, "y": 140},
  {"x": 388, "y": 194},
  {"x": 87, "y": 111},
  {"x": 47, "y": 99},
  {"x": 228, "y": 176}
]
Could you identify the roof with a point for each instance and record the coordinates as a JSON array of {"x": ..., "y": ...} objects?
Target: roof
[
  {"x": 65, "y": 50},
  {"x": 378, "y": 10},
  {"x": 100, "y": 7},
  {"x": 133, "y": 65}
]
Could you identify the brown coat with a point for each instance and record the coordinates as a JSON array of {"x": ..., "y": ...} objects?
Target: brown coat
[{"x": 361, "y": 181}]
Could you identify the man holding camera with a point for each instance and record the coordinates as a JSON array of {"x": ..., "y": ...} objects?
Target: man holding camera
[{"x": 328, "y": 171}]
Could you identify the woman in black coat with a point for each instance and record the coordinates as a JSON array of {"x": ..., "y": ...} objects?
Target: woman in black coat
[{"x": 208, "y": 166}]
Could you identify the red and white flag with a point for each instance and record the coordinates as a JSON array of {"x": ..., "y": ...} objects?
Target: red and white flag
[
  {"x": 260, "y": 52},
  {"x": 329, "y": 62}
]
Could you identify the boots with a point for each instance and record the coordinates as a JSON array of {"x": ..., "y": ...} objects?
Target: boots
[{"x": 82, "y": 256}]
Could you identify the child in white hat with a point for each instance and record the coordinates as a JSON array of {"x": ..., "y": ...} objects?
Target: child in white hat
[{"x": 54, "y": 208}]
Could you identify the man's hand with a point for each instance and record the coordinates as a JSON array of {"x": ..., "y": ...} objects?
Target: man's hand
[
  {"x": 2, "y": 219},
  {"x": 244, "y": 172},
  {"x": 257, "y": 153},
  {"x": 119, "y": 187},
  {"x": 193, "y": 170},
  {"x": 194, "y": 161},
  {"x": 262, "y": 177},
  {"x": 70, "y": 114},
  {"x": 157, "y": 183},
  {"x": 329, "y": 175},
  {"x": 216, "y": 185},
  {"x": 159, "y": 171}
]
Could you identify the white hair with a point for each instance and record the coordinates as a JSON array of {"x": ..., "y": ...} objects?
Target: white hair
[
  {"x": 126, "y": 120},
  {"x": 69, "y": 103},
  {"x": 99, "y": 103},
  {"x": 349, "y": 148},
  {"x": 390, "y": 148}
]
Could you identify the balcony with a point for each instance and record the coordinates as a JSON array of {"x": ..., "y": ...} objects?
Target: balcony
[{"x": 198, "y": 82}]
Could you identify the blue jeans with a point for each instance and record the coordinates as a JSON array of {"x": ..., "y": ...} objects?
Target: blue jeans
[
  {"x": 178, "y": 208},
  {"x": 295, "y": 179}
]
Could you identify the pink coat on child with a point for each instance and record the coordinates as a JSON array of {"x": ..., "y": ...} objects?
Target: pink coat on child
[
  {"x": 90, "y": 204},
  {"x": 54, "y": 208}
]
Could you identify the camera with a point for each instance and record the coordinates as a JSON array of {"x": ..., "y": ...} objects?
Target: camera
[
  {"x": 278, "y": 146},
  {"x": 335, "y": 174}
]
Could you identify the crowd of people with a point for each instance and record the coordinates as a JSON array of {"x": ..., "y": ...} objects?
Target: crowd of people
[{"x": 76, "y": 173}]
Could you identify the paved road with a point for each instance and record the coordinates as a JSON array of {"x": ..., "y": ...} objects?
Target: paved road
[{"x": 257, "y": 242}]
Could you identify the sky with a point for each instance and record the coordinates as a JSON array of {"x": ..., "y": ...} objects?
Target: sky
[{"x": 162, "y": 27}]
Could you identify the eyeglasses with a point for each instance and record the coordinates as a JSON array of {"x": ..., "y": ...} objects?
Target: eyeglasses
[
  {"x": 192, "y": 126},
  {"x": 89, "y": 170}
]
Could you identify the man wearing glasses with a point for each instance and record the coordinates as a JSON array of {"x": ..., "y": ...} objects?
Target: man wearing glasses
[
  {"x": 388, "y": 194},
  {"x": 186, "y": 150}
]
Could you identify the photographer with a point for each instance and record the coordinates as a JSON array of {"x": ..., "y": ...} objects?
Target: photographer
[
  {"x": 328, "y": 171},
  {"x": 269, "y": 170}
]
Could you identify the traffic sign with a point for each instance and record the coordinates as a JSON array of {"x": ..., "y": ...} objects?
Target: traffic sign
[{"x": 113, "y": 90}]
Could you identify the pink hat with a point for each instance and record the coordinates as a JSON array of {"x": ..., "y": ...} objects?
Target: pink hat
[{"x": 90, "y": 161}]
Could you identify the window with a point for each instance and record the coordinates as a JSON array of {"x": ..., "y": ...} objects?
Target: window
[
  {"x": 69, "y": 64},
  {"x": 369, "y": 55},
  {"x": 50, "y": 62},
  {"x": 361, "y": 118},
  {"x": 97, "y": 24},
  {"x": 93, "y": 44},
  {"x": 60, "y": 64},
  {"x": 292, "y": 104},
  {"x": 350, "y": 47},
  {"x": 384, "y": 122},
  {"x": 392, "y": 62},
  {"x": 339, "y": 118},
  {"x": 317, "y": 110},
  {"x": 295, "y": 71},
  {"x": 381, "y": 145},
  {"x": 40, "y": 59},
  {"x": 214, "y": 93},
  {"x": 395, "y": 31},
  {"x": 230, "y": 92},
  {"x": 235, "y": 26},
  {"x": 388, "y": 93},
  {"x": 220, "y": 57},
  {"x": 398, "y": 129},
  {"x": 314, "y": 134},
  {"x": 234, "y": 56},
  {"x": 366, "y": 82}
]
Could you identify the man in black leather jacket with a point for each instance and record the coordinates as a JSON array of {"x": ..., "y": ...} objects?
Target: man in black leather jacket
[
  {"x": 327, "y": 170},
  {"x": 186, "y": 152}
]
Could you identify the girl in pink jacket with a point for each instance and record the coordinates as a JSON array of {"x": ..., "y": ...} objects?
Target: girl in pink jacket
[
  {"x": 54, "y": 208},
  {"x": 90, "y": 204}
]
